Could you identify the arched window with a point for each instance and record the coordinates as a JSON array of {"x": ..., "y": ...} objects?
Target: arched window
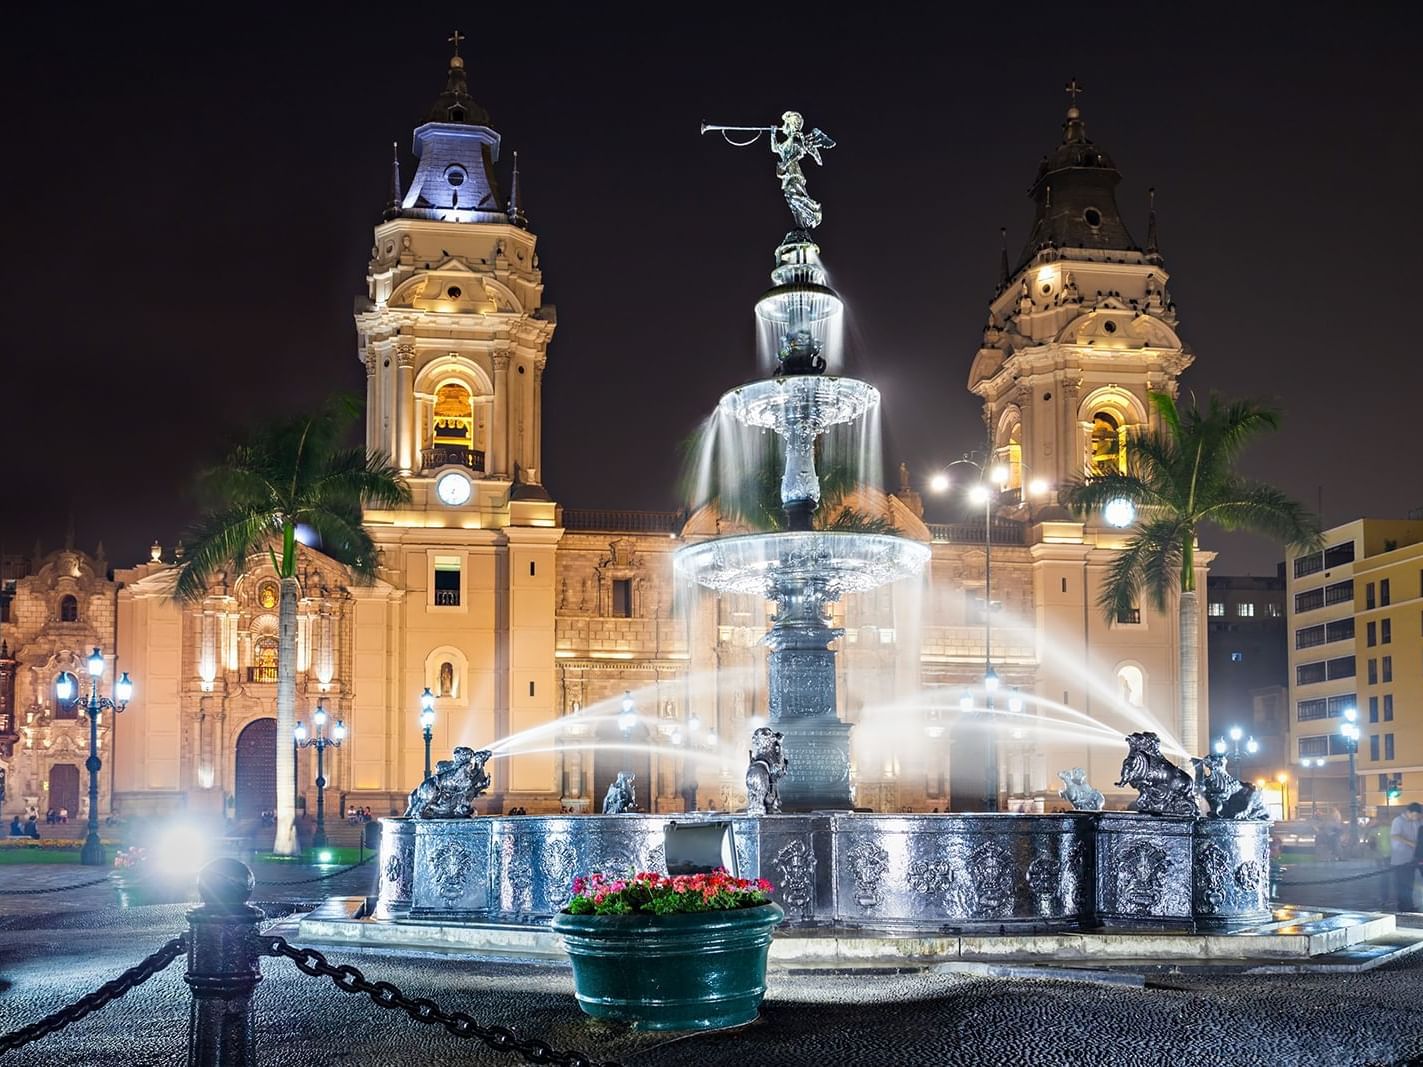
[
  {"x": 264, "y": 660},
  {"x": 68, "y": 609},
  {"x": 1107, "y": 448},
  {"x": 1009, "y": 453},
  {"x": 454, "y": 417},
  {"x": 1131, "y": 682}
]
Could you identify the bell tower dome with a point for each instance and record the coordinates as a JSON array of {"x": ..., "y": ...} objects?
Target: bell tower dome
[
  {"x": 453, "y": 330},
  {"x": 1082, "y": 327}
]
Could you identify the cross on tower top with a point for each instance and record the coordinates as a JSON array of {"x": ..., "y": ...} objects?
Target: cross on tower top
[
  {"x": 1072, "y": 90},
  {"x": 456, "y": 38}
]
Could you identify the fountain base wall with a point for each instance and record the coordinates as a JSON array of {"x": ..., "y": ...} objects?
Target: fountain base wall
[{"x": 971, "y": 872}]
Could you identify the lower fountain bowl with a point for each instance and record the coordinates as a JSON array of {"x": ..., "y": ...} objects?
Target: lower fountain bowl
[{"x": 835, "y": 561}]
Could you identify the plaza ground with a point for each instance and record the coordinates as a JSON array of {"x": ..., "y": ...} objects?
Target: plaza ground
[{"x": 55, "y": 946}]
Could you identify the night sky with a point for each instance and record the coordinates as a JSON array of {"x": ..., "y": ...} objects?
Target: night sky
[{"x": 189, "y": 210}]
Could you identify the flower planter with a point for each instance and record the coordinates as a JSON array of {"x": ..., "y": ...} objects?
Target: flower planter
[{"x": 685, "y": 971}]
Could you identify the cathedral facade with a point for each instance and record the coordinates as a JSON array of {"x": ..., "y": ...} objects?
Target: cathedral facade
[{"x": 533, "y": 625}]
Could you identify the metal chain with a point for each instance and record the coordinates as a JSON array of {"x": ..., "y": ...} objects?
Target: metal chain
[
  {"x": 320, "y": 877},
  {"x": 51, "y": 889},
  {"x": 1333, "y": 881},
  {"x": 421, "y": 1009},
  {"x": 92, "y": 1002}
]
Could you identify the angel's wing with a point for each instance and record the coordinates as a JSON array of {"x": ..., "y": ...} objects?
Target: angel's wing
[{"x": 815, "y": 140}]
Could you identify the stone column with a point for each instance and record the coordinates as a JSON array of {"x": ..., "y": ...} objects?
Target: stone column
[
  {"x": 536, "y": 447},
  {"x": 405, "y": 408},
  {"x": 499, "y": 437},
  {"x": 373, "y": 440}
]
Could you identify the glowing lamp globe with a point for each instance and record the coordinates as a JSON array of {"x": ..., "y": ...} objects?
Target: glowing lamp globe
[
  {"x": 339, "y": 730},
  {"x": 1252, "y": 746},
  {"x": 123, "y": 689},
  {"x": 64, "y": 687},
  {"x": 1120, "y": 512},
  {"x": 96, "y": 663},
  {"x": 939, "y": 483},
  {"x": 299, "y": 731},
  {"x": 978, "y": 494},
  {"x": 1220, "y": 746},
  {"x": 990, "y": 680},
  {"x": 427, "y": 700}
]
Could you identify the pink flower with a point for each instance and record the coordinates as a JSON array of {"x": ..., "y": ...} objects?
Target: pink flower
[
  {"x": 579, "y": 884},
  {"x": 764, "y": 885}
]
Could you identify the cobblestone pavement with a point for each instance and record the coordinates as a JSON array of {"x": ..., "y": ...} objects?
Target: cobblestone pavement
[{"x": 51, "y": 954}]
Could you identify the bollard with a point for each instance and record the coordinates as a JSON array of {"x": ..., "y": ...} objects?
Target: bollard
[{"x": 223, "y": 967}]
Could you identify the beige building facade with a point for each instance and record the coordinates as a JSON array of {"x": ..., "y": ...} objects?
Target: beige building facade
[{"x": 531, "y": 623}]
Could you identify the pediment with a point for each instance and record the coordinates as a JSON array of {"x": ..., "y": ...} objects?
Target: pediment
[{"x": 454, "y": 287}]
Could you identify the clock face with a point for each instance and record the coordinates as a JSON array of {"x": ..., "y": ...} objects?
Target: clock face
[{"x": 452, "y": 488}]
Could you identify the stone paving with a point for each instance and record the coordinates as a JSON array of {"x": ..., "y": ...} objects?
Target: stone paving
[{"x": 52, "y": 949}]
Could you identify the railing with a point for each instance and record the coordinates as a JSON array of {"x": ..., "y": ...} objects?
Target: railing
[
  {"x": 445, "y": 455},
  {"x": 447, "y": 598},
  {"x": 1130, "y": 617},
  {"x": 654, "y": 522},
  {"x": 262, "y": 674},
  {"x": 971, "y": 533}
]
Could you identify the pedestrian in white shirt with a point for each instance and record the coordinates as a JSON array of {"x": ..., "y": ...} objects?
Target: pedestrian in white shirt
[{"x": 1403, "y": 845}]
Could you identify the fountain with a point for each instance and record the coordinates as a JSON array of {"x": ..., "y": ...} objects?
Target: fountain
[{"x": 1163, "y": 864}]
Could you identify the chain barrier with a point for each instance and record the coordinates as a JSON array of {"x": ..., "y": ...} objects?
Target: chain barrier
[
  {"x": 421, "y": 1009},
  {"x": 319, "y": 877},
  {"x": 92, "y": 1002},
  {"x": 51, "y": 889},
  {"x": 1379, "y": 873}
]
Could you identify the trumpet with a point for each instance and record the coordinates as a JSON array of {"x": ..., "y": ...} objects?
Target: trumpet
[{"x": 708, "y": 127}]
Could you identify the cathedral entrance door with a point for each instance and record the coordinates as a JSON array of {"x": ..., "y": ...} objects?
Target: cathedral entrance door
[
  {"x": 256, "y": 785},
  {"x": 64, "y": 789}
]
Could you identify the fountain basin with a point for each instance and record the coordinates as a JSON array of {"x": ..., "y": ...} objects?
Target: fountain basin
[
  {"x": 985, "y": 873},
  {"x": 808, "y": 404},
  {"x": 833, "y": 561}
]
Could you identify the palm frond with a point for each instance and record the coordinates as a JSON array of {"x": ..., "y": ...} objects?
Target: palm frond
[
  {"x": 1095, "y": 492},
  {"x": 345, "y": 540},
  {"x": 1253, "y": 507},
  {"x": 852, "y": 520},
  {"x": 1122, "y": 590},
  {"x": 1161, "y": 574},
  {"x": 1165, "y": 406},
  {"x": 354, "y": 477},
  {"x": 216, "y": 541}
]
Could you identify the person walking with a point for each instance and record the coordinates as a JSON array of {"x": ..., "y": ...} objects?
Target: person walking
[{"x": 1403, "y": 845}]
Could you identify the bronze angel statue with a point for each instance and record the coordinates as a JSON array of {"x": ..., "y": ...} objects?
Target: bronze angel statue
[{"x": 790, "y": 143}]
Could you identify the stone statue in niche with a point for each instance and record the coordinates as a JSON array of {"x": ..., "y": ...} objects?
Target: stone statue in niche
[
  {"x": 1078, "y": 792},
  {"x": 763, "y": 776},
  {"x": 622, "y": 794},
  {"x": 449, "y": 793},
  {"x": 447, "y": 679},
  {"x": 1225, "y": 795},
  {"x": 1162, "y": 787}
]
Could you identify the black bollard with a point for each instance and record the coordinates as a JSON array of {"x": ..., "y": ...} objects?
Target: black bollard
[{"x": 223, "y": 967}]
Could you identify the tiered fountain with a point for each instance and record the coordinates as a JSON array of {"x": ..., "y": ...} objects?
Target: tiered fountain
[{"x": 908, "y": 874}]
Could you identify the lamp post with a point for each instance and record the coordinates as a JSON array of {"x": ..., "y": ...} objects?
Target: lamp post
[
  {"x": 1310, "y": 765},
  {"x": 1236, "y": 734},
  {"x": 1284, "y": 779},
  {"x": 94, "y": 705},
  {"x": 1350, "y": 729},
  {"x": 427, "y": 722},
  {"x": 320, "y": 742}
]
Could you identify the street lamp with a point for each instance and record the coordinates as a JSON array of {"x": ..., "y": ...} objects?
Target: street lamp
[
  {"x": 1251, "y": 746},
  {"x": 1310, "y": 765},
  {"x": 93, "y": 706},
  {"x": 1284, "y": 779},
  {"x": 321, "y": 743},
  {"x": 1350, "y": 729},
  {"x": 427, "y": 722}
]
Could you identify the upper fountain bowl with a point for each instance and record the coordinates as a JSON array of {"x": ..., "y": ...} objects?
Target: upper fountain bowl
[
  {"x": 809, "y": 404},
  {"x": 835, "y": 562}
]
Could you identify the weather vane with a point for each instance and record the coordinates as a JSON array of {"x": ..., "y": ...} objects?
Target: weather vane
[{"x": 790, "y": 144}]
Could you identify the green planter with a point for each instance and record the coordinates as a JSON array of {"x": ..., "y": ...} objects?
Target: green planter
[{"x": 690, "y": 971}]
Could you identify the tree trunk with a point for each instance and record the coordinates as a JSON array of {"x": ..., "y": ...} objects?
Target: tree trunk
[
  {"x": 285, "y": 844},
  {"x": 1190, "y": 670}
]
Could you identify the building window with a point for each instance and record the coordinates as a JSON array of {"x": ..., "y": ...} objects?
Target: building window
[
  {"x": 1311, "y": 564},
  {"x": 1374, "y": 747},
  {"x": 1340, "y": 630},
  {"x": 1132, "y": 683},
  {"x": 1217, "y": 608},
  {"x": 1237, "y": 657},
  {"x": 1373, "y": 709},
  {"x": 68, "y": 609},
  {"x": 1372, "y": 632},
  {"x": 1108, "y": 444},
  {"x": 1339, "y": 592},
  {"x": 1388, "y": 668},
  {"x": 1129, "y": 616},
  {"x": 1314, "y": 746},
  {"x": 447, "y": 581},
  {"x": 1385, "y": 631},
  {"x": 622, "y": 598},
  {"x": 1310, "y": 673},
  {"x": 264, "y": 661},
  {"x": 1384, "y": 598},
  {"x": 1338, "y": 555},
  {"x": 1309, "y": 636},
  {"x": 1341, "y": 703},
  {"x": 1388, "y": 707},
  {"x": 1245, "y": 610},
  {"x": 1309, "y": 600},
  {"x": 1273, "y": 611},
  {"x": 1388, "y": 746},
  {"x": 1373, "y": 672},
  {"x": 1369, "y": 595},
  {"x": 1312, "y": 709},
  {"x": 1341, "y": 667}
]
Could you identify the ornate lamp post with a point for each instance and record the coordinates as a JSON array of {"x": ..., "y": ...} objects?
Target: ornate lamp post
[
  {"x": 320, "y": 742},
  {"x": 1236, "y": 733},
  {"x": 1350, "y": 729},
  {"x": 1310, "y": 765},
  {"x": 93, "y": 706},
  {"x": 427, "y": 722}
]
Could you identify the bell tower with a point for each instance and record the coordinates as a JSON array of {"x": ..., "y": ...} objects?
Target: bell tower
[
  {"x": 1081, "y": 329},
  {"x": 453, "y": 331}
]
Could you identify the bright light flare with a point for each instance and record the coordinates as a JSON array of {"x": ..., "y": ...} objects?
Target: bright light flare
[
  {"x": 978, "y": 494},
  {"x": 181, "y": 851},
  {"x": 1120, "y": 512},
  {"x": 939, "y": 483}
]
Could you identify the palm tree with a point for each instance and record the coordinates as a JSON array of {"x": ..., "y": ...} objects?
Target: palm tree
[
  {"x": 1178, "y": 477},
  {"x": 291, "y": 472}
]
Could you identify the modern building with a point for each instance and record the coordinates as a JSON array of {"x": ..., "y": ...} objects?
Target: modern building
[
  {"x": 529, "y": 622},
  {"x": 1249, "y": 668},
  {"x": 1355, "y": 614}
]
